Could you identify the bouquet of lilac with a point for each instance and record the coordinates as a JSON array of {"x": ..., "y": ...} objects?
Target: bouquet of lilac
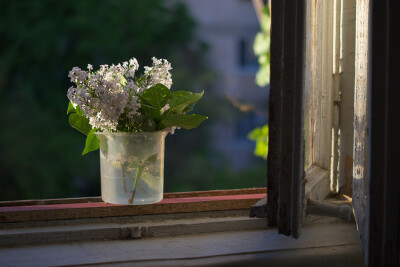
[{"x": 116, "y": 99}]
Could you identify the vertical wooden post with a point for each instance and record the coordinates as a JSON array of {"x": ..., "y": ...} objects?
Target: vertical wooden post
[
  {"x": 347, "y": 84},
  {"x": 383, "y": 194},
  {"x": 335, "y": 183},
  {"x": 360, "y": 113},
  {"x": 285, "y": 159},
  {"x": 275, "y": 128}
]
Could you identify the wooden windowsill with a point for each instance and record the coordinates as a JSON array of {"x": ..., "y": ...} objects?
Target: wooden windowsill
[
  {"x": 62, "y": 209},
  {"x": 30, "y": 222},
  {"x": 195, "y": 228}
]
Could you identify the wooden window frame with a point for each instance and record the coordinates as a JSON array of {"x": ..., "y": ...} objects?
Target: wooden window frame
[
  {"x": 381, "y": 241},
  {"x": 285, "y": 184},
  {"x": 329, "y": 82},
  {"x": 287, "y": 194},
  {"x": 312, "y": 50}
]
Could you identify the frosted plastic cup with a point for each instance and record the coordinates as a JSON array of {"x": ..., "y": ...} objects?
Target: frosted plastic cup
[{"x": 132, "y": 167}]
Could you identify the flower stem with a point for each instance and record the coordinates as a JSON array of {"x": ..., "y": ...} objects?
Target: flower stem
[
  {"x": 123, "y": 180},
  {"x": 139, "y": 172}
]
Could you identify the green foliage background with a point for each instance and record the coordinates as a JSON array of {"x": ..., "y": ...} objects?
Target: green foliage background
[
  {"x": 261, "y": 49},
  {"x": 41, "y": 41}
]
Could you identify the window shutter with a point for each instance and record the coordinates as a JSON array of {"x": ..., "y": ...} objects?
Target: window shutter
[{"x": 285, "y": 206}]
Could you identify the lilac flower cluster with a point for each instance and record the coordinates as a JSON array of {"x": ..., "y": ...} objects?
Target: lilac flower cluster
[{"x": 112, "y": 91}]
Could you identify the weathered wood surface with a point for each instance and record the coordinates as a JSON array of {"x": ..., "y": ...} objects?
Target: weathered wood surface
[
  {"x": 360, "y": 114},
  {"x": 319, "y": 84},
  {"x": 322, "y": 208},
  {"x": 334, "y": 177},
  {"x": 127, "y": 219},
  {"x": 101, "y": 209},
  {"x": 329, "y": 85},
  {"x": 317, "y": 185},
  {"x": 121, "y": 230},
  {"x": 343, "y": 96},
  {"x": 320, "y": 245},
  {"x": 259, "y": 210},
  {"x": 166, "y": 195},
  {"x": 346, "y": 112}
]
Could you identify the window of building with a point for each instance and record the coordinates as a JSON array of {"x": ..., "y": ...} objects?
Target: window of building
[{"x": 247, "y": 59}]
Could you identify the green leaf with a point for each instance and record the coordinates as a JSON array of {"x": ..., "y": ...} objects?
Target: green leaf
[
  {"x": 260, "y": 136},
  {"x": 151, "y": 111},
  {"x": 266, "y": 19},
  {"x": 156, "y": 96},
  {"x": 70, "y": 108},
  {"x": 259, "y": 133},
  {"x": 92, "y": 142},
  {"x": 77, "y": 119},
  {"x": 261, "y": 149},
  {"x": 150, "y": 160},
  {"x": 189, "y": 108},
  {"x": 262, "y": 76},
  {"x": 81, "y": 123},
  {"x": 261, "y": 43},
  {"x": 123, "y": 81},
  {"x": 263, "y": 59},
  {"x": 79, "y": 111},
  {"x": 182, "y": 120},
  {"x": 180, "y": 100}
]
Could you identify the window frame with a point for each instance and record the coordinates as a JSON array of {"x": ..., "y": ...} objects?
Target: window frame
[
  {"x": 330, "y": 77},
  {"x": 288, "y": 187},
  {"x": 285, "y": 184}
]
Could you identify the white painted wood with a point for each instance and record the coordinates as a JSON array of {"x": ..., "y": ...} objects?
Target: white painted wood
[
  {"x": 324, "y": 78},
  {"x": 308, "y": 84},
  {"x": 319, "y": 80},
  {"x": 317, "y": 185},
  {"x": 321, "y": 57},
  {"x": 329, "y": 84},
  {"x": 346, "y": 113},
  {"x": 337, "y": 14}
]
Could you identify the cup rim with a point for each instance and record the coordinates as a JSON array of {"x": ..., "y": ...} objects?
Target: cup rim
[{"x": 132, "y": 133}]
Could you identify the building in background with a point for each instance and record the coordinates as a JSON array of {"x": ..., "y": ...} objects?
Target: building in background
[{"x": 229, "y": 28}]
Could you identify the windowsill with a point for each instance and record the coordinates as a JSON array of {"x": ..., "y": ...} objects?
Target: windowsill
[
  {"x": 321, "y": 244},
  {"x": 196, "y": 228}
]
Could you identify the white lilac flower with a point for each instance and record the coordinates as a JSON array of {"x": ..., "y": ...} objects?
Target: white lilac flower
[
  {"x": 165, "y": 108},
  {"x": 158, "y": 73},
  {"x": 112, "y": 91},
  {"x": 134, "y": 63},
  {"x": 172, "y": 129}
]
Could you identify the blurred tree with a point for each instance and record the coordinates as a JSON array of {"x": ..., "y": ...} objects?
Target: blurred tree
[{"x": 41, "y": 42}]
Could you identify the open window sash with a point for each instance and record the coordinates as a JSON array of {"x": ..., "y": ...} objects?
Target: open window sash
[{"x": 285, "y": 205}]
